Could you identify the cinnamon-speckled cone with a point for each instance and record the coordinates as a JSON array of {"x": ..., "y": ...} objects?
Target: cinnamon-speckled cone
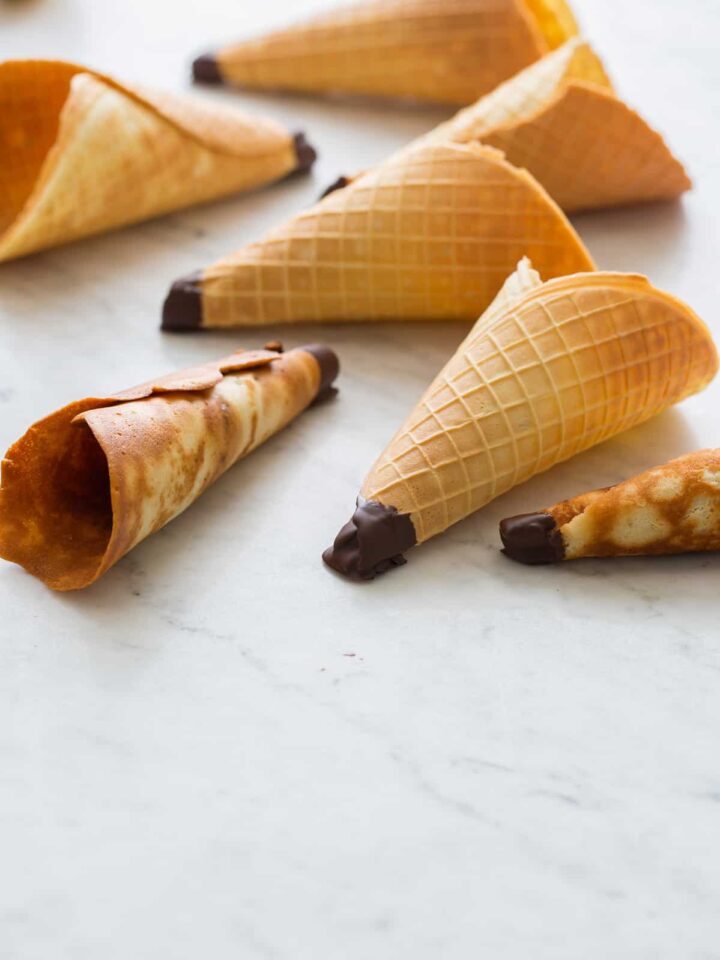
[
  {"x": 428, "y": 235},
  {"x": 447, "y": 51},
  {"x": 550, "y": 370},
  {"x": 670, "y": 509},
  {"x": 89, "y": 482},
  {"x": 82, "y": 154},
  {"x": 561, "y": 120}
]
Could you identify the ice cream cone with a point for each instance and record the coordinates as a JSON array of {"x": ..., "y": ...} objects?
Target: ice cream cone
[
  {"x": 429, "y": 235},
  {"x": 560, "y": 119},
  {"x": 550, "y": 370},
  {"x": 670, "y": 509},
  {"x": 83, "y": 154},
  {"x": 446, "y": 51},
  {"x": 89, "y": 482}
]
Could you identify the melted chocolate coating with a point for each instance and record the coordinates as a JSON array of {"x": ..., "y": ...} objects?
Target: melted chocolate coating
[
  {"x": 338, "y": 184},
  {"x": 182, "y": 309},
  {"x": 532, "y": 538},
  {"x": 205, "y": 69},
  {"x": 372, "y": 542},
  {"x": 329, "y": 369},
  {"x": 305, "y": 152}
]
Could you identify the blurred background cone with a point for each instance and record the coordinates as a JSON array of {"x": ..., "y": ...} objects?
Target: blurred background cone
[{"x": 445, "y": 51}]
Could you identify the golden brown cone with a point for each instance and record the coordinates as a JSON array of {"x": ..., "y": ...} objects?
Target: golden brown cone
[
  {"x": 84, "y": 154},
  {"x": 552, "y": 370},
  {"x": 90, "y": 481},
  {"x": 429, "y": 235},
  {"x": 561, "y": 120},
  {"x": 446, "y": 51},
  {"x": 674, "y": 508}
]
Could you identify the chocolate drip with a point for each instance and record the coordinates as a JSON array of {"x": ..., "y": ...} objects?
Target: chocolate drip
[
  {"x": 305, "y": 152},
  {"x": 329, "y": 365},
  {"x": 372, "y": 542},
  {"x": 532, "y": 538},
  {"x": 182, "y": 309},
  {"x": 205, "y": 69},
  {"x": 338, "y": 184}
]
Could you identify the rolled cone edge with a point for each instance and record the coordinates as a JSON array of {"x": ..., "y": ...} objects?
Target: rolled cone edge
[
  {"x": 372, "y": 542},
  {"x": 206, "y": 69},
  {"x": 182, "y": 310},
  {"x": 532, "y": 538}
]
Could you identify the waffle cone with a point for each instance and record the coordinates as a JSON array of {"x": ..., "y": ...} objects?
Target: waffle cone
[
  {"x": 674, "y": 508},
  {"x": 561, "y": 120},
  {"x": 446, "y": 51},
  {"x": 89, "y": 482},
  {"x": 83, "y": 154},
  {"x": 550, "y": 370},
  {"x": 428, "y": 235}
]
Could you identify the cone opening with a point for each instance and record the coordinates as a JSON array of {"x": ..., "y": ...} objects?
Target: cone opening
[
  {"x": 31, "y": 98},
  {"x": 55, "y": 506}
]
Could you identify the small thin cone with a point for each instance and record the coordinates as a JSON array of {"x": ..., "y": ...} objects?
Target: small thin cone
[
  {"x": 561, "y": 120},
  {"x": 83, "y": 154},
  {"x": 566, "y": 365},
  {"x": 447, "y": 51},
  {"x": 673, "y": 508},
  {"x": 86, "y": 484},
  {"x": 428, "y": 235}
]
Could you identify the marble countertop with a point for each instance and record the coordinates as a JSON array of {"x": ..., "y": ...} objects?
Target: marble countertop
[{"x": 221, "y": 750}]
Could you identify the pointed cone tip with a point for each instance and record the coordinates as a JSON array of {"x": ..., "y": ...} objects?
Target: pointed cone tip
[
  {"x": 372, "y": 542},
  {"x": 206, "y": 69},
  {"x": 182, "y": 309},
  {"x": 532, "y": 538},
  {"x": 306, "y": 154},
  {"x": 329, "y": 365}
]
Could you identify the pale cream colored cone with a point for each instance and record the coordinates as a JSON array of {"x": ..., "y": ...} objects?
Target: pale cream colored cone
[
  {"x": 673, "y": 508},
  {"x": 561, "y": 120},
  {"x": 89, "y": 482},
  {"x": 82, "y": 154},
  {"x": 429, "y": 235},
  {"x": 448, "y": 51},
  {"x": 551, "y": 370}
]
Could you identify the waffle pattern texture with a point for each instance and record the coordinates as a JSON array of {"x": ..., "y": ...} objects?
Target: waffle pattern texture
[
  {"x": 446, "y": 51},
  {"x": 561, "y": 120},
  {"x": 83, "y": 154},
  {"x": 429, "y": 235},
  {"x": 551, "y": 370}
]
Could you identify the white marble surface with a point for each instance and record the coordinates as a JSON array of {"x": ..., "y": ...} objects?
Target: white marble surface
[{"x": 221, "y": 750}]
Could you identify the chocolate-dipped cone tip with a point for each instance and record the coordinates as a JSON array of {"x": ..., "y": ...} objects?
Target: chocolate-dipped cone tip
[
  {"x": 329, "y": 369},
  {"x": 372, "y": 542},
  {"x": 205, "y": 69},
  {"x": 532, "y": 538},
  {"x": 338, "y": 184},
  {"x": 306, "y": 153},
  {"x": 182, "y": 309}
]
